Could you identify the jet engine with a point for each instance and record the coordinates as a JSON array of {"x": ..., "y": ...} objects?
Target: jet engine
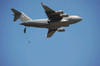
[
  {"x": 60, "y": 29},
  {"x": 59, "y": 11},
  {"x": 64, "y": 15}
]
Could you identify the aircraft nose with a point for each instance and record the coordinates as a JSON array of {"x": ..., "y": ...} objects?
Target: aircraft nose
[{"x": 79, "y": 18}]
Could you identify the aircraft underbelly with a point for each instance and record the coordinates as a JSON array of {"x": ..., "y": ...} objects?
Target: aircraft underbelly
[
  {"x": 57, "y": 24},
  {"x": 45, "y": 25},
  {"x": 36, "y": 25},
  {"x": 51, "y": 25}
]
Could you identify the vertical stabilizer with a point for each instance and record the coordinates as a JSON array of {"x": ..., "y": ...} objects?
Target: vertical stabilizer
[
  {"x": 24, "y": 18},
  {"x": 21, "y": 16}
]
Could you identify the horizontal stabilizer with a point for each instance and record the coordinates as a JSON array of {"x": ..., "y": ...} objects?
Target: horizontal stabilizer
[{"x": 17, "y": 14}]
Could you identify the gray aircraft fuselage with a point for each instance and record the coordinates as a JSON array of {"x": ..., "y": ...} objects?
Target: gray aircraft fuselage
[
  {"x": 44, "y": 23},
  {"x": 56, "y": 20}
]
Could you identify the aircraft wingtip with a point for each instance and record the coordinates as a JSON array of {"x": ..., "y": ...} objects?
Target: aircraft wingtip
[
  {"x": 12, "y": 8},
  {"x": 41, "y": 3},
  {"x": 47, "y": 36}
]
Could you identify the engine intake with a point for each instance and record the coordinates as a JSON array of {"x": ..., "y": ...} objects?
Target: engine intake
[
  {"x": 59, "y": 11},
  {"x": 60, "y": 29},
  {"x": 64, "y": 15}
]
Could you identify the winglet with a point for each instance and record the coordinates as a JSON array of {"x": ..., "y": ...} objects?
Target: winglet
[
  {"x": 50, "y": 32},
  {"x": 41, "y": 3}
]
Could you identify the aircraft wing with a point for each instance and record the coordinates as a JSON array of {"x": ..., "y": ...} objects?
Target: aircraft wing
[
  {"x": 50, "y": 32},
  {"x": 51, "y": 14}
]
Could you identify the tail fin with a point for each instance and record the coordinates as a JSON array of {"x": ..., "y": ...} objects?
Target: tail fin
[{"x": 21, "y": 16}]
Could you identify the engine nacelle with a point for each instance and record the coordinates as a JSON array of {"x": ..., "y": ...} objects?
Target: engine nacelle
[
  {"x": 59, "y": 11},
  {"x": 64, "y": 15},
  {"x": 60, "y": 29}
]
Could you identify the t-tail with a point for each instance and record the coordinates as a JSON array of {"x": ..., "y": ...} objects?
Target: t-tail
[{"x": 20, "y": 15}]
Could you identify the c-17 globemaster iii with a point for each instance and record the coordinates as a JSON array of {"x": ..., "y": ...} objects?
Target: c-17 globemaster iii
[{"x": 56, "y": 20}]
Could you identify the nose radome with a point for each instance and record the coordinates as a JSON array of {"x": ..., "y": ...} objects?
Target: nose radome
[{"x": 80, "y": 18}]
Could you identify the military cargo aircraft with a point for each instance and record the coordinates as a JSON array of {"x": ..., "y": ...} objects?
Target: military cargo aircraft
[{"x": 56, "y": 20}]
